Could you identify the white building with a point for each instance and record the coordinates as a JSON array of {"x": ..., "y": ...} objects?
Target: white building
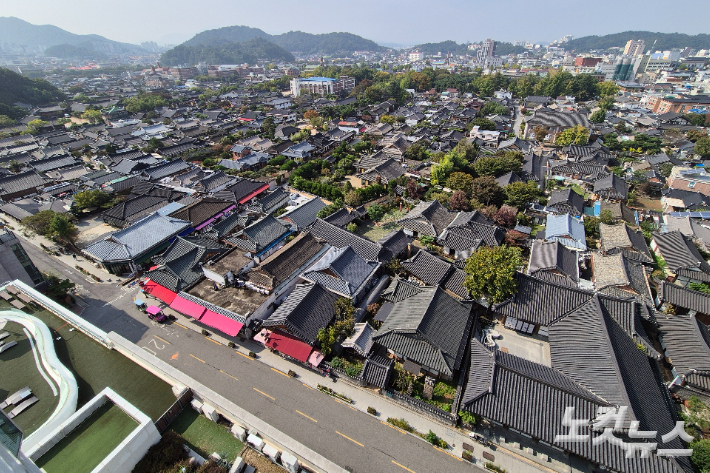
[{"x": 416, "y": 56}]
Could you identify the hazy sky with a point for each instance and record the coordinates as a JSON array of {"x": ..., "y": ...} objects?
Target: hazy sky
[{"x": 385, "y": 21}]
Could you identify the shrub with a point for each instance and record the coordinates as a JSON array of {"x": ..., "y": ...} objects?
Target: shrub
[
  {"x": 466, "y": 455},
  {"x": 493, "y": 467},
  {"x": 205, "y": 333},
  {"x": 337, "y": 362},
  {"x": 432, "y": 438},
  {"x": 467, "y": 417},
  {"x": 163, "y": 454},
  {"x": 400, "y": 423},
  {"x": 252, "y": 354},
  {"x": 372, "y": 410},
  {"x": 351, "y": 227},
  {"x": 354, "y": 370},
  {"x": 292, "y": 373},
  {"x": 231, "y": 345}
]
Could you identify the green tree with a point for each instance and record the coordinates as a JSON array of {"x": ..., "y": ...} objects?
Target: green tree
[
  {"x": 94, "y": 116},
  {"x": 483, "y": 124},
  {"x": 375, "y": 212},
  {"x": 598, "y": 116},
  {"x": 702, "y": 147},
  {"x": 15, "y": 166},
  {"x": 458, "y": 201},
  {"x": 441, "y": 170},
  {"x": 91, "y": 198},
  {"x": 497, "y": 165},
  {"x": 34, "y": 127},
  {"x": 39, "y": 222},
  {"x": 606, "y": 217},
  {"x": 577, "y": 135},
  {"x": 607, "y": 89},
  {"x": 460, "y": 181},
  {"x": 696, "y": 119},
  {"x": 540, "y": 133},
  {"x": 327, "y": 338},
  {"x": 388, "y": 119},
  {"x": 61, "y": 228},
  {"x": 519, "y": 194},
  {"x": 487, "y": 191},
  {"x": 591, "y": 226},
  {"x": 6, "y": 121},
  {"x": 701, "y": 454},
  {"x": 57, "y": 288},
  {"x": 491, "y": 273}
]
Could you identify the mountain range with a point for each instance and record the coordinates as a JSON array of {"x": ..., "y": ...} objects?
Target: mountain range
[
  {"x": 664, "y": 41},
  {"x": 19, "y": 35}
]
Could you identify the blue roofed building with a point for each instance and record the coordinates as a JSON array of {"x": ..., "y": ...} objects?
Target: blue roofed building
[{"x": 567, "y": 230}]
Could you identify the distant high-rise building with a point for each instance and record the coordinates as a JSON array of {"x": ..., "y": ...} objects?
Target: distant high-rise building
[
  {"x": 14, "y": 262},
  {"x": 487, "y": 48},
  {"x": 634, "y": 47}
]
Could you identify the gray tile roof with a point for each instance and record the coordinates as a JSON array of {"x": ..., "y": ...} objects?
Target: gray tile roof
[
  {"x": 24, "y": 181},
  {"x": 611, "y": 187},
  {"x": 259, "y": 235},
  {"x": 180, "y": 266},
  {"x": 428, "y": 218},
  {"x": 553, "y": 256},
  {"x": 342, "y": 271},
  {"x": 361, "y": 339},
  {"x": 305, "y": 214},
  {"x": 434, "y": 271},
  {"x": 169, "y": 168},
  {"x": 270, "y": 202},
  {"x": 134, "y": 241},
  {"x": 681, "y": 255},
  {"x": 309, "y": 308},
  {"x": 683, "y": 297},
  {"x": 396, "y": 242},
  {"x": 430, "y": 328},
  {"x": 282, "y": 265},
  {"x": 622, "y": 239},
  {"x": 687, "y": 343},
  {"x": 340, "y": 238},
  {"x": 377, "y": 371},
  {"x": 566, "y": 201}
]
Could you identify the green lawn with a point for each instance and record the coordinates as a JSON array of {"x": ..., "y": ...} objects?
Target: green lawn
[
  {"x": 204, "y": 436},
  {"x": 96, "y": 367},
  {"x": 87, "y": 445},
  {"x": 388, "y": 223},
  {"x": 17, "y": 370}
]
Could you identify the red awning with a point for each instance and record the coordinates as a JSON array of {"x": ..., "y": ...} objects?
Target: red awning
[
  {"x": 289, "y": 345},
  {"x": 188, "y": 308},
  {"x": 222, "y": 323},
  {"x": 158, "y": 291}
]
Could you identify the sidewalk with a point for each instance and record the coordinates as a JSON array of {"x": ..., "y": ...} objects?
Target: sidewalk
[
  {"x": 508, "y": 454},
  {"x": 80, "y": 261}
]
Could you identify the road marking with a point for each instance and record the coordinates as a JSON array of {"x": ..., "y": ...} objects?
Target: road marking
[
  {"x": 245, "y": 356},
  {"x": 393, "y": 427},
  {"x": 307, "y": 417},
  {"x": 196, "y": 358},
  {"x": 449, "y": 454},
  {"x": 353, "y": 441},
  {"x": 149, "y": 350},
  {"x": 213, "y": 341},
  {"x": 262, "y": 392},
  {"x": 162, "y": 340},
  {"x": 280, "y": 372},
  {"x": 174, "y": 357},
  {"x": 224, "y": 372},
  {"x": 307, "y": 386},
  {"x": 345, "y": 404},
  {"x": 180, "y": 325},
  {"x": 402, "y": 466}
]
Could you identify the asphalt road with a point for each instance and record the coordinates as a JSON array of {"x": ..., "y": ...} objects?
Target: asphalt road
[{"x": 346, "y": 436}]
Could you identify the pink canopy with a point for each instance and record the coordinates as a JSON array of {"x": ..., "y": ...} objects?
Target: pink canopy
[
  {"x": 153, "y": 310},
  {"x": 222, "y": 323},
  {"x": 315, "y": 358},
  {"x": 188, "y": 308}
]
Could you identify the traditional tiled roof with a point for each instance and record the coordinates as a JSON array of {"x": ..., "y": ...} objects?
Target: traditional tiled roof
[
  {"x": 259, "y": 235},
  {"x": 611, "y": 187},
  {"x": 305, "y": 311},
  {"x": 241, "y": 191},
  {"x": 567, "y": 230},
  {"x": 24, "y": 181},
  {"x": 342, "y": 271},
  {"x": 271, "y": 202},
  {"x": 213, "y": 181},
  {"x": 399, "y": 290},
  {"x": 385, "y": 171},
  {"x": 617, "y": 270},
  {"x": 681, "y": 255},
  {"x": 169, "y": 168},
  {"x": 683, "y": 297},
  {"x": 133, "y": 209},
  {"x": 622, "y": 239},
  {"x": 48, "y": 164},
  {"x": 361, "y": 339},
  {"x": 134, "y": 241},
  {"x": 430, "y": 328},
  {"x": 566, "y": 201},
  {"x": 428, "y": 218},
  {"x": 553, "y": 256},
  {"x": 552, "y": 118},
  {"x": 180, "y": 266},
  {"x": 341, "y": 238},
  {"x": 342, "y": 217},
  {"x": 395, "y": 241},
  {"x": 377, "y": 371},
  {"x": 687, "y": 343},
  {"x": 201, "y": 211},
  {"x": 305, "y": 214}
]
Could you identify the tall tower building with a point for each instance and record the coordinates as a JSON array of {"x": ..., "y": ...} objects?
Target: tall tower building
[
  {"x": 487, "y": 48},
  {"x": 634, "y": 47}
]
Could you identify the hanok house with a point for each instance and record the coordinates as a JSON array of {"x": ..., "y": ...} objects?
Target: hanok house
[
  {"x": 20, "y": 185},
  {"x": 686, "y": 339},
  {"x": 382, "y": 173},
  {"x": 427, "y": 219},
  {"x": 622, "y": 239},
  {"x": 242, "y": 191},
  {"x": 566, "y": 229},
  {"x": 303, "y": 215},
  {"x": 566, "y": 201},
  {"x": 431, "y": 270},
  {"x": 204, "y": 212},
  {"x": 551, "y": 261},
  {"x": 595, "y": 364},
  {"x": 621, "y": 277},
  {"x": 611, "y": 187},
  {"x": 554, "y": 121},
  {"x": 261, "y": 238},
  {"x": 682, "y": 258},
  {"x": 428, "y": 331},
  {"x": 123, "y": 250}
]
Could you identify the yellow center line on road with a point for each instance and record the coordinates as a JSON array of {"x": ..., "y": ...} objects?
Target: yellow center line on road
[
  {"x": 180, "y": 325},
  {"x": 402, "y": 466},
  {"x": 307, "y": 417},
  {"x": 196, "y": 358},
  {"x": 353, "y": 441},
  {"x": 449, "y": 454},
  {"x": 245, "y": 356},
  {"x": 224, "y": 372},
  {"x": 280, "y": 372},
  {"x": 307, "y": 386},
  {"x": 393, "y": 427},
  {"x": 213, "y": 341},
  {"x": 262, "y": 392},
  {"x": 162, "y": 340}
]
